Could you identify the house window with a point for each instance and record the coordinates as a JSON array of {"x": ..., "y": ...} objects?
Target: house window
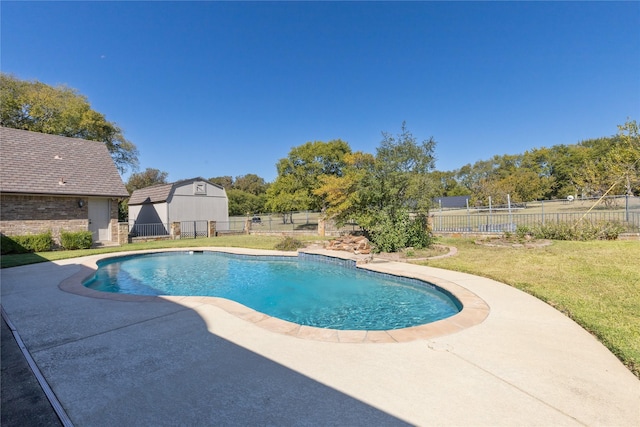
[{"x": 200, "y": 188}]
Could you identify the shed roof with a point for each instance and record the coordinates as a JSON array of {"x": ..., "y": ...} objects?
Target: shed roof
[
  {"x": 38, "y": 163},
  {"x": 161, "y": 192}
]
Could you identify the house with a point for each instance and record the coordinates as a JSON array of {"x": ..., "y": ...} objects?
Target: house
[
  {"x": 51, "y": 182},
  {"x": 192, "y": 202}
]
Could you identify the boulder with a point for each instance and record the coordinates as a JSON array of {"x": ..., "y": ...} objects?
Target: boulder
[{"x": 349, "y": 243}]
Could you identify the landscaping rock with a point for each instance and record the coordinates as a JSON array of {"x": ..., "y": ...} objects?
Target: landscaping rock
[{"x": 349, "y": 243}]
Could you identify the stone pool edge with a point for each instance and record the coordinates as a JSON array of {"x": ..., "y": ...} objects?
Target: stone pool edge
[{"x": 474, "y": 309}]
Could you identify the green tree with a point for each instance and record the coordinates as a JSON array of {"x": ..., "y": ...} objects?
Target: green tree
[
  {"x": 625, "y": 158},
  {"x": 299, "y": 175},
  {"x": 250, "y": 183},
  {"x": 225, "y": 181},
  {"x": 389, "y": 195},
  {"x": 60, "y": 110},
  {"x": 147, "y": 178},
  {"x": 610, "y": 165},
  {"x": 247, "y": 194},
  {"x": 243, "y": 203},
  {"x": 445, "y": 184}
]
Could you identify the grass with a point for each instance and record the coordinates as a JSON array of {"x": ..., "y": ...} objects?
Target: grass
[
  {"x": 242, "y": 241},
  {"x": 596, "y": 283}
]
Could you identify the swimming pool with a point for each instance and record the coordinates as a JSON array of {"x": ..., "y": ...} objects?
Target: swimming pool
[{"x": 303, "y": 291}]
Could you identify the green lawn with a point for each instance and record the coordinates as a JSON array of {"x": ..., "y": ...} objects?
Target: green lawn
[
  {"x": 242, "y": 241},
  {"x": 595, "y": 283}
]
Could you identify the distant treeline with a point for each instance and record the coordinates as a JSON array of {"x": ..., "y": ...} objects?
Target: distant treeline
[{"x": 589, "y": 168}]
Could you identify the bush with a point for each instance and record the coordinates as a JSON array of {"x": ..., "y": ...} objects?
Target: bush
[
  {"x": 26, "y": 243},
  {"x": 584, "y": 230},
  {"x": 289, "y": 244},
  {"x": 392, "y": 234},
  {"x": 76, "y": 240},
  {"x": 523, "y": 232}
]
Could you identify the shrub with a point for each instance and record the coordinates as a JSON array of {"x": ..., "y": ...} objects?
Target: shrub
[
  {"x": 76, "y": 240},
  {"x": 523, "y": 232},
  {"x": 392, "y": 233},
  {"x": 289, "y": 244},
  {"x": 584, "y": 230},
  {"x": 26, "y": 243}
]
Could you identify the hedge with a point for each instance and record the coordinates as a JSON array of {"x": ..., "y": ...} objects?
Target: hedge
[
  {"x": 76, "y": 240},
  {"x": 27, "y": 243}
]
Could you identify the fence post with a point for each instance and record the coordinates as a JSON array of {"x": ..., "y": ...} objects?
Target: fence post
[
  {"x": 490, "y": 218},
  {"x": 175, "y": 230},
  {"x": 321, "y": 227},
  {"x": 123, "y": 233},
  {"x": 626, "y": 208},
  {"x": 247, "y": 226},
  {"x": 211, "y": 229},
  {"x": 468, "y": 216}
]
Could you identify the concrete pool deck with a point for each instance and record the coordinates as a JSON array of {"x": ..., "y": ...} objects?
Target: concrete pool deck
[{"x": 185, "y": 361}]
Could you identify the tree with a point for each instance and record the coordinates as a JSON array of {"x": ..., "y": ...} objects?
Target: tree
[
  {"x": 299, "y": 175},
  {"x": 247, "y": 194},
  {"x": 611, "y": 165},
  {"x": 445, "y": 184},
  {"x": 243, "y": 203},
  {"x": 387, "y": 195},
  {"x": 224, "y": 181},
  {"x": 250, "y": 183},
  {"x": 149, "y": 177},
  {"x": 625, "y": 159},
  {"x": 60, "y": 110}
]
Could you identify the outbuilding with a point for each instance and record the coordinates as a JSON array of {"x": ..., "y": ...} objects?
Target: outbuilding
[
  {"x": 191, "y": 202},
  {"x": 55, "y": 183}
]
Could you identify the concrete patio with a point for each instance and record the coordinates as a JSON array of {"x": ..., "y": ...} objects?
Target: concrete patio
[{"x": 186, "y": 361}]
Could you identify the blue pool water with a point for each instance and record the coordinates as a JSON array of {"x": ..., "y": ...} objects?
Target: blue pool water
[{"x": 302, "y": 291}]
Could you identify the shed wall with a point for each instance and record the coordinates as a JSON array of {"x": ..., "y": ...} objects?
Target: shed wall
[
  {"x": 156, "y": 213},
  {"x": 191, "y": 203}
]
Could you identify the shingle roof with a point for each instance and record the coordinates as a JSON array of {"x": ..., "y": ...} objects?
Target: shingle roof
[
  {"x": 161, "y": 192},
  {"x": 38, "y": 163},
  {"x": 154, "y": 194}
]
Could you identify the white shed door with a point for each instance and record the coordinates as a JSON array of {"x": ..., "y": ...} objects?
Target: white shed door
[{"x": 99, "y": 219}]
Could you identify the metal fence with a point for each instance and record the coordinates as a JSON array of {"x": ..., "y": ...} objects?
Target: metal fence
[
  {"x": 624, "y": 210},
  {"x": 508, "y": 222},
  {"x": 302, "y": 222},
  {"x": 149, "y": 230},
  {"x": 194, "y": 229}
]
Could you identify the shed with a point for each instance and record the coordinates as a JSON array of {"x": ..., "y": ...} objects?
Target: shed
[
  {"x": 55, "y": 183},
  {"x": 192, "y": 202}
]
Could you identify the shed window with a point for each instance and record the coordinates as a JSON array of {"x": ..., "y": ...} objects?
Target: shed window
[{"x": 199, "y": 188}]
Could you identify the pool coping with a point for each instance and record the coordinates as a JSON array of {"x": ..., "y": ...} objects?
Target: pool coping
[{"x": 474, "y": 309}]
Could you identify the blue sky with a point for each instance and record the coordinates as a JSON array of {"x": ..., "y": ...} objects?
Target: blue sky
[{"x": 228, "y": 88}]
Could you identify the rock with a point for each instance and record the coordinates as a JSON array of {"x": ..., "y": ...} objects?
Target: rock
[{"x": 349, "y": 243}]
